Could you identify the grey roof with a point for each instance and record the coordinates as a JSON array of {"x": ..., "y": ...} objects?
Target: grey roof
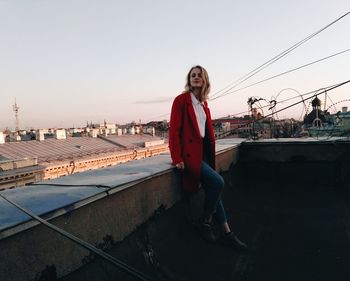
[{"x": 71, "y": 148}]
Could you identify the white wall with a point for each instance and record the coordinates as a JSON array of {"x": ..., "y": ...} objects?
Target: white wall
[{"x": 2, "y": 138}]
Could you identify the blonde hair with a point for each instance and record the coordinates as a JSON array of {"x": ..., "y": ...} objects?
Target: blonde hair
[{"x": 206, "y": 83}]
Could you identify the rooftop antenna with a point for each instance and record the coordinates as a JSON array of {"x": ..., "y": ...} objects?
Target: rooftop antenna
[{"x": 15, "y": 110}]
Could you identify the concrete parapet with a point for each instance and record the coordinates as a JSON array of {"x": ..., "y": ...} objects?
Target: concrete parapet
[
  {"x": 19, "y": 163},
  {"x": 113, "y": 213},
  {"x": 295, "y": 162},
  {"x": 123, "y": 205}
]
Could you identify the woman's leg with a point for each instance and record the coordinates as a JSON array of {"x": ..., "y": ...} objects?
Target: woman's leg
[{"x": 213, "y": 185}]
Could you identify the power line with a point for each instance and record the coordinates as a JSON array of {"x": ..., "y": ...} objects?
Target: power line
[
  {"x": 267, "y": 79},
  {"x": 280, "y": 74},
  {"x": 270, "y": 61},
  {"x": 289, "y": 106},
  {"x": 276, "y": 58},
  {"x": 291, "y": 98}
]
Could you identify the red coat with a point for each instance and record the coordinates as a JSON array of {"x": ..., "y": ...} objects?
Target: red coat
[{"x": 185, "y": 141}]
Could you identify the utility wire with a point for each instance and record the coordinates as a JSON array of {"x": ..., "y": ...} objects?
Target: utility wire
[
  {"x": 272, "y": 60},
  {"x": 296, "y": 103},
  {"x": 291, "y": 98},
  {"x": 276, "y": 58},
  {"x": 270, "y": 78},
  {"x": 128, "y": 269},
  {"x": 289, "y": 106},
  {"x": 280, "y": 74}
]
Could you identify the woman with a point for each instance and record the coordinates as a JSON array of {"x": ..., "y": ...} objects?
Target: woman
[{"x": 192, "y": 148}]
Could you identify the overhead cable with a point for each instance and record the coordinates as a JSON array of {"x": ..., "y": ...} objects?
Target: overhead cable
[
  {"x": 280, "y": 74},
  {"x": 270, "y": 78},
  {"x": 276, "y": 58},
  {"x": 289, "y": 106}
]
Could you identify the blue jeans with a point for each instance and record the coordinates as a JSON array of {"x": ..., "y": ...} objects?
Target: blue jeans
[{"x": 213, "y": 185}]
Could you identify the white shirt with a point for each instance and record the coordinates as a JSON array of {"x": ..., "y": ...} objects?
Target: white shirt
[{"x": 200, "y": 114}]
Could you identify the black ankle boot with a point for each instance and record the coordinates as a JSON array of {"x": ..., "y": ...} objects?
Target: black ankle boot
[
  {"x": 205, "y": 230},
  {"x": 231, "y": 240}
]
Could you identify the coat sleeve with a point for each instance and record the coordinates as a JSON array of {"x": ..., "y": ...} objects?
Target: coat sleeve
[{"x": 175, "y": 130}]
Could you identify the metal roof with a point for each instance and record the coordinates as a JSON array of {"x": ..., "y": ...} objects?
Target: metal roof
[{"x": 70, "y": 148}]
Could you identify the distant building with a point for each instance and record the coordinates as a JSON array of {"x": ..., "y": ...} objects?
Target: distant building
[
  {"x": 2, "y": 138},
  {"x": 231, "y": 125},
  {"x": 19, "y": 172},
  {"x": 326, "y": 125},
  {"x": 62, "y": 155}
]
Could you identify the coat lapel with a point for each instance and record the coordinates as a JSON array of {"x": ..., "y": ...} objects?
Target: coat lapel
[{"x": 191, "y": 113}]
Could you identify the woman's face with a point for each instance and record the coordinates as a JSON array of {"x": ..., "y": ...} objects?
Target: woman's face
[{"x": 196, "y": 79}]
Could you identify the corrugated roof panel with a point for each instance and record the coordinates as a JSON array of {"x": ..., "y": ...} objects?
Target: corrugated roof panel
[
  {"x": 72, "y": 147},
  {"x": 53, "y": 148}
]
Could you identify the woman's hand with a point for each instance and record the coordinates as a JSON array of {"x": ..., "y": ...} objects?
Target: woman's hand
[{"x": 180, "y": 166}]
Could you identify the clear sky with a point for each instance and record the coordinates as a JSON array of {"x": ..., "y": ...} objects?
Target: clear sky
[{"x": 72, "y": 61}]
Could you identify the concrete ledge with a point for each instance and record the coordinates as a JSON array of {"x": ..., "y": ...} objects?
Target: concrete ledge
[
  {"x": 296, "y": 162},
  {"x": 130, "y": 195},
  {"x": 113, "y": 216},
  {"x": 109, "y": 204},
  {"x": 301, "y": 229}
]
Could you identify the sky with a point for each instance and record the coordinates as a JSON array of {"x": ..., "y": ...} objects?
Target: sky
[{"x": 69, "y": 62}]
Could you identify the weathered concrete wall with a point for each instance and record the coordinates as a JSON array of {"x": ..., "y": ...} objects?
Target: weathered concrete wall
[
  {"x": 113, "y": 216},
  {"x": 285, "y": 163},
  {"x": 19, "y": 163},
  {"x": 226, "y": 158},
  {"x": 110, "y": 218},
  {"x": 18, "y": 177}
]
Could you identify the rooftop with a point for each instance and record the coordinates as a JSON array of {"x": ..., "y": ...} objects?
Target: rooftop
[
  {"x": 288, "y": 200},
  {"x": 53, "y": 150}
]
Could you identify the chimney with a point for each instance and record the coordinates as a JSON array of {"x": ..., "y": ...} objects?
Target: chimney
[
  {"x": 93, "y": 133},
  {"x": 2, "y": 138},
  {"x": 40, "y": 135},
  {"x": 60, "y": 134},
  {"x": 344, "y": 109}
]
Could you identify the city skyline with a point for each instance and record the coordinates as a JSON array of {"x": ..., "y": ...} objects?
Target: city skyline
[{"x": 68, "y": 63}]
